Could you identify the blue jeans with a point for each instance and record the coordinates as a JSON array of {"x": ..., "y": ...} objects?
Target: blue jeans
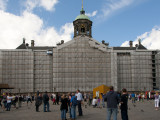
[
  {"x": 73, "y": 112},
  {"x": 63, "y": 114},
  {"x": 110, "y": 111},
  {"x": 8, "y": 106},
  {"x": 46, "y": 104},
  {"x": 103, "y": 104},
  {"x": 70, "y": 114}
]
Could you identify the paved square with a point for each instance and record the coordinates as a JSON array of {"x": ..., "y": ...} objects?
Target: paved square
[{"x": 140, "y": 111}]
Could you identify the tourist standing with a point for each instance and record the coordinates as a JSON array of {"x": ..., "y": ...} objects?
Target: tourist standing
[
  {"x": 124, "y": 104},
  {"x": 46, "y": 102},
  {"x": 4, "y": 101},
  {"x": 69, "y": 107},
  {"x": 112, "y": 103},
  {"x": 57, "y": 99},
  {"x": 63, "y": 107},
  {"x": 9, "y": 98},
  {"x": 90, "y": 98},
  {"x": 20, "y": 99},
  {"x": 79, "y": 100},
  {"x": 28, "y": 99},
  {"x": 133, "y": 96},
  {"x": 73, "y": 104},
  {"x": 38, "y": 101},
  {"x": 156, "y": 96},
  {"x": 0, "y": 100},
  {"x": 103, "y": 104}
]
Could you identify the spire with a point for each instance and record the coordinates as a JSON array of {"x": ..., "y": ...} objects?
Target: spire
[
  {"x": 82, "y": 11},
  {"x": 82, "y": 4}
]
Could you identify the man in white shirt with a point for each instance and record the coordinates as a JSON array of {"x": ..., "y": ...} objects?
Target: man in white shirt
[
  {"x": 94, "y": 102},
  {"x": 9, "y": 98},
  {"x": 79, "y": 99}
]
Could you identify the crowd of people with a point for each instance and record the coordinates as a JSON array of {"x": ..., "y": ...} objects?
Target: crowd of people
[{"x": 71, "y": 101}]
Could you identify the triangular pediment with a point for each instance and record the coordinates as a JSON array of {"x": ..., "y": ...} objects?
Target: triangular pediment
[{"x": 81, "y": 40}]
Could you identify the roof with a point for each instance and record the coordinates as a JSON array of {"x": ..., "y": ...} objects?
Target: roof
[
  {"x": 22, "y": 46},
  {"x": 41, "y": 47},
  {"x": 82, "y": 15},
  {"x": 124, "y": 48},
  {"x": 141, "y": 47}
]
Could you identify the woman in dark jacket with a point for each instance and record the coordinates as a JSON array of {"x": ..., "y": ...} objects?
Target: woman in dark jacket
[{"x": 64, "y": 107}]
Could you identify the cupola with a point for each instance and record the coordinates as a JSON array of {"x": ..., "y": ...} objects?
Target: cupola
[{"x": 82, "y": 24}]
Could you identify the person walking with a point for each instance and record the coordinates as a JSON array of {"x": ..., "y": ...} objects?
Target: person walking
[
  {"x": 46, "y": 102},
  {"x": 79, "y": 100},
  {"x": 124, "y": 104},
  {"x": 112, "y": 103}
]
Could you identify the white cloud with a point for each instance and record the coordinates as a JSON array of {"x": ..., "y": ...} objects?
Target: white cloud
[
  {"x": 14, "y": 28},
  {"x": 3, "y": 4},
  {"x": 94, "y": 13},
  {"x": 46, "y": 4},
  {"x": 151, "y": 40},
  {"x": 113, "y": 5}
]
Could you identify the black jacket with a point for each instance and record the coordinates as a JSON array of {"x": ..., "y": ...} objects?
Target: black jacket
[
  {"x": 45, "y": 98},
  {"x": 112, "y": 99},
  {"x": 64, "y": 104},
  {"x": 124, "y": 100}
]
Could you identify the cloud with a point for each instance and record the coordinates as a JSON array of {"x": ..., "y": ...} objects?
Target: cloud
[
  {"x": 113, "y": 5},
  {"x": 14, "y": 28},
  {"x": 3, "y": 4},
  {"x": 151, "y": 39},
  {"x": 46, "y": 4},
  {"x": 94, "y": 13}
]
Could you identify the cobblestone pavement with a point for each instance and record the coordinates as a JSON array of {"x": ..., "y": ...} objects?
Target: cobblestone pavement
[{"x": 139, "y": 111}]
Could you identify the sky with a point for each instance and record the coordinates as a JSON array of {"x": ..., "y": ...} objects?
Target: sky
[{"x": 50, "y": 21}]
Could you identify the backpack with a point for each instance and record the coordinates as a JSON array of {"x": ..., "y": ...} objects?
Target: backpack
[{"x": 74, "y": 102}]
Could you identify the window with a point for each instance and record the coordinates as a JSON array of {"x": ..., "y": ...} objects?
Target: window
[{"x": 83, "y": 30}]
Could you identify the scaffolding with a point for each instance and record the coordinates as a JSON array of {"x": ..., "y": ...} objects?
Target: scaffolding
[
  {"x": 42, "y": 71},
  {"x": 135, "y": 70},
  {"x": 17, "y": 69},
  {"x": 82, "y": 63},
  {"x": 77, "y": 65}
]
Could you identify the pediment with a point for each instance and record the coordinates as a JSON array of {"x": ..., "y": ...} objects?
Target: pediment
[{"x": 80, "y": 40}]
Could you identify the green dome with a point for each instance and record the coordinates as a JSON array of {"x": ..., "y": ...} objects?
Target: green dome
[{"x": 82, "y": 16}]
